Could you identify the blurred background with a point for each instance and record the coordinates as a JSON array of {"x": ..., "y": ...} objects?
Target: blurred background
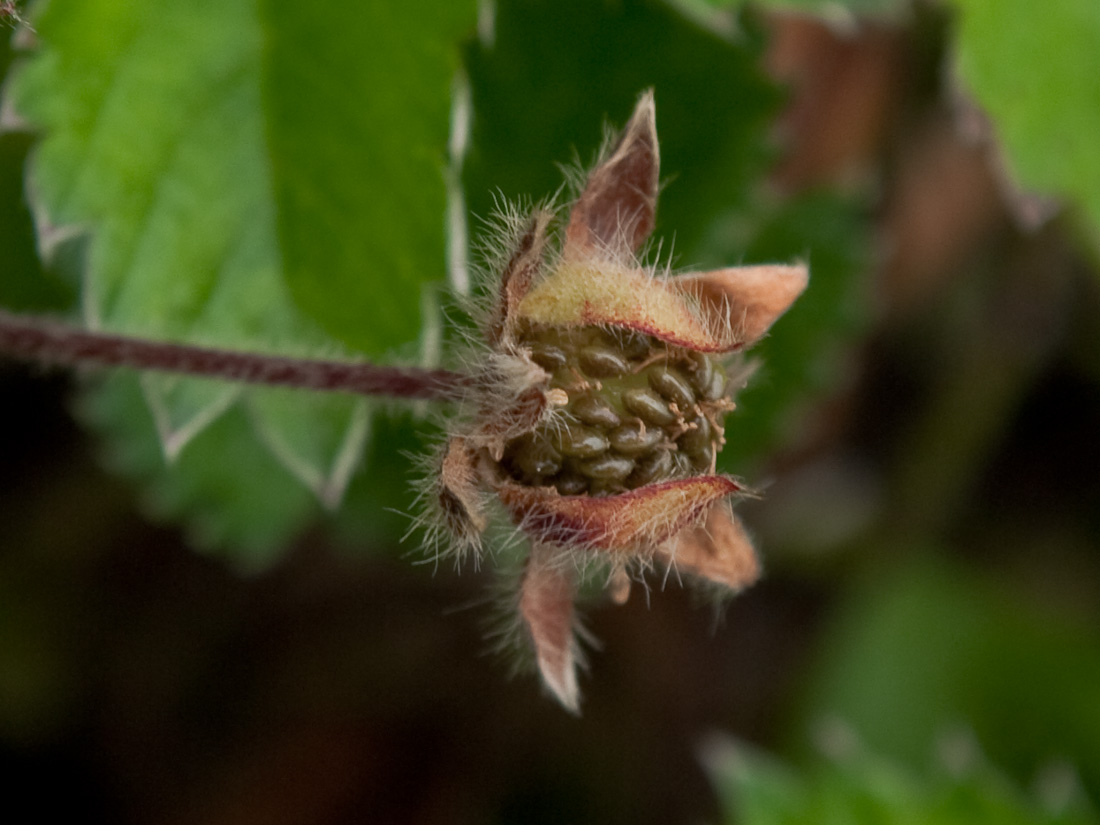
[{"x": 924, "y": 428}]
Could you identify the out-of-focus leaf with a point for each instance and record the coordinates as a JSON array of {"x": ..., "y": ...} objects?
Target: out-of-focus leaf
[
  {"x": 358, "y": 103},
  {"x": 860, "y": 788},
  {"x": 224, "y": 463},
  {"x": 230, "y": 159},
  {"x": 380, "y": 506},
  {"x": 918, "y": 653},
  {"x": 23, "y": 284},
  {"x": 321, "y": 450},
  {"x": 824, "y": 8},
  {"x": 152, "y": 122},
  {"x": 1035, "y": 69},
  {"x": 150, "y": 117},
  {"x": 550, "y": 72}
]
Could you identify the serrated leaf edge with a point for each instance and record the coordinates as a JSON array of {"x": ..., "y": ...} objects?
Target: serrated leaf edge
[
  {"x": 173, "y": 439},
  {"x": 328, "y": 486}
]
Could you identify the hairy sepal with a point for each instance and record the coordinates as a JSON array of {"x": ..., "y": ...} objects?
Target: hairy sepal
[
  {"x": 717, "y": 551},
  {"x": 547, "y": 592},
  {"x": 617, "y": 209},
  {"x": 744, "y": 301},
  {"x": 632, "y": 523}
]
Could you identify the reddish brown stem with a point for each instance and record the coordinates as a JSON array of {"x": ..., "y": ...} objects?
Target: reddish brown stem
[{"x": 50, "y": 342}]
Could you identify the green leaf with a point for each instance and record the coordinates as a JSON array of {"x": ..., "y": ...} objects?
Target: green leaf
[
  {"x": 23, "y": 284},
  {"x": 313, "y": 437},
  {"x": 380, "y": 506},
  {"x": 550, "y": 73},
  {"x": 917, "y": 653},
  {"x": 253, "y": 178},
  {"x": 831, "y": 9},
  {"x": 153, "y": 138},
  {"x": 359, "y": 99},
  {"x": 224, "y": 463},
  {"x": 859, "y": 787},
  {"x": 1035, "y": 68}
]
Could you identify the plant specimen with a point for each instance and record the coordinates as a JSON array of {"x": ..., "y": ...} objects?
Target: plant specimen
[
  {"x": 597, "y": 407},
  {"x": 590, "y": 411}
]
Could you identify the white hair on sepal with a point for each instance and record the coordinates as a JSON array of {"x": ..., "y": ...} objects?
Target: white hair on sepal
[
  {"x": 439, "y": 538},
  {"x": 508, "y": 634},
  {"x": 501, "y": 232}
]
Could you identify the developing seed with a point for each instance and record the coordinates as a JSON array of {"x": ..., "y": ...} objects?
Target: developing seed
[
  {"x": 601, "y": 362},
  {"x": 702, "y": 370},
  {"x": 648, "y": 406},
  {"x": 570, "y": 483},
  {"x": 596, "y": 412},
  {"x": 698, "y": 438},
  {"x": 634, "y": 438},
  {"x": 703, "y": 459},
  {"x": 606, "y": 468},
  {"x": 656, "y": 466},
  {"x": 672, "y": 385},
  {"x": 605, "y": 488},
  {"x": 578, "y": 441},
  {"x": 548, "y": 356},
  {"x": 715, "y": 388},
  {"x": 534, "y": 456}
]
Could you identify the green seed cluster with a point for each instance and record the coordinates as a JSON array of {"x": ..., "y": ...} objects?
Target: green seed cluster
[{"x": 638, "y": 412}]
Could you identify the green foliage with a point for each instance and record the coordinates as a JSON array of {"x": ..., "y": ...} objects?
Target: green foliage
[
  {"x": 554, "y": 72},
  {"x": 1035, "y": 68},
  {"x": 246, "y": 186},
  {"x": 357, "y": 100},
  {"x": 225, "y": 463},
  {"x": 825, "y": 8},
  {"x": 861, "y": 788},
  {"x": 914, "y": 653},
  {"x": 24, "y": 286}
]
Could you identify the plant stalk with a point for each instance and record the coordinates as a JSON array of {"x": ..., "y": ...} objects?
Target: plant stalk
[{"x": 49, "y": 342}]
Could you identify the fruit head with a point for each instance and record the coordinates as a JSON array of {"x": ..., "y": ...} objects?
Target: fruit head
[{"x": 599, "y": 405}]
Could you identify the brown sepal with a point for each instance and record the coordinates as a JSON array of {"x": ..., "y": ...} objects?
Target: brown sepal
[
  {"x": 719, "y": 551},
  {"x": 519, "y": 273},
  {"x": 745, "y": 300},
  {"x": 617, "y": 209},
  {"x": 546, "y": 608},
  {"x": 459, "y": 493},
  {"x": 635, "y": 522}
]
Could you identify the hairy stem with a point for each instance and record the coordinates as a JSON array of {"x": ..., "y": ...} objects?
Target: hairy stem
[{"x": 49, "y": 342}]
